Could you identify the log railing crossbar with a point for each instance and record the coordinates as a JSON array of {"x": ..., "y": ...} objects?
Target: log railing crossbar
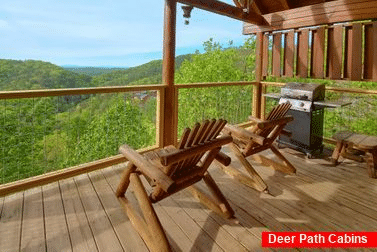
[{"x": 84, "y": 168}]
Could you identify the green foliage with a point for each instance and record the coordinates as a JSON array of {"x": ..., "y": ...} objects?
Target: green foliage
[
  {"x": 94, "y": 71},
  {"x": 43, "y": 134},
  {"x": 123, "y": 122},
  {"x": 30, "y": 74},
  {"x": 215, "y": 65}
]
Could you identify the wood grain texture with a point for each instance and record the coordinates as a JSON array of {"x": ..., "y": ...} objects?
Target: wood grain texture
[
  {"x": 289, "y": 52},
  {"x": 57, "y": 236},
  {"x": 317, "y": 14},
  {"x": 308, "y": 201},
  {"x": 317, "y": 53},
  {"x": 276, "y": 55},
  {"x": 10, "y": 222},
  {"x": 225, "y": 9},
  {"x": 302, "y": 53},
  {"x": 33, "y": 219},
  {"x": 170, "y": 106},
  {"x": 335, "y": 50}
]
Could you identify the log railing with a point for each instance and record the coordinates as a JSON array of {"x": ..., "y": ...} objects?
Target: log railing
[
  {"x": 36, "y": 127},
  {"x": 247, "y": 90},
  {"x": 13, "y": 100},
  {"x": 360, "y": 116}
]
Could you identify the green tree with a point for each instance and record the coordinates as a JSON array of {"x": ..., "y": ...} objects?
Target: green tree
[{"x": 215, "y": 65}]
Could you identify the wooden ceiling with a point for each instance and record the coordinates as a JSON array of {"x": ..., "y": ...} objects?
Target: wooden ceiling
[
  {"x": 270, "y": 15},
  {"x": 291, "y": 14},
  {"x": 271, "y": 6}
]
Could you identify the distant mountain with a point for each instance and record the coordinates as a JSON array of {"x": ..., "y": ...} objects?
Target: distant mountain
[
  {"x": 151, "y": 72},
  {"x": 32, "y": 74},
  {"x": 92, "y": 71}
]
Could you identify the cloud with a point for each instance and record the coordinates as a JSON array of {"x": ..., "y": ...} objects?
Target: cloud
[
  {"x": 4, "y": 24},
  {"x": 74, "y": 29}
]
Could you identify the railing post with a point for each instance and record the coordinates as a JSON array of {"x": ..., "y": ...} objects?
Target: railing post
[
  {"x": 169, "y": 121},
  {"x": 257, "y": 90}
]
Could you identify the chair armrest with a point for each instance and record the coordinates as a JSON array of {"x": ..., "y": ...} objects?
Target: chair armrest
[
  {"x": 182, "y": 154},
  {"x": 244, "y": 134},
  {"x": 273, "y": 123},
  {"x": 223, "y": 158},
  {"x": 255, "y": 119},
  {"x": 147, "y": 168}
]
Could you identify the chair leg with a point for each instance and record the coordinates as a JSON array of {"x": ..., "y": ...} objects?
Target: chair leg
[
  {"x": 255, "y": 181},
  {"x": 371, "y": 158},
  {"x": 148, "y": 226},
  {"x": 216, "y": 192},
  {"x": 216, "y": 202},
  {"x": 125, "y": 180},
  {"x": 288, "y": 168},
  {"x": 336, "y": 154}
]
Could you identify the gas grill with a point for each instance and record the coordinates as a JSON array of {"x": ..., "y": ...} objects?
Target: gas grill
[{"x": 308, "y": 103}]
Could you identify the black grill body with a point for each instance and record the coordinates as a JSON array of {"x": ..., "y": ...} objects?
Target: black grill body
[
  {"x": 307, "y": 126},
  {"x": 306, "y": 129}
]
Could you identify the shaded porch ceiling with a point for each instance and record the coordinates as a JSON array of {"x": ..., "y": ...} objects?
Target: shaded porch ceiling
[{"x": 269, "y": 15}]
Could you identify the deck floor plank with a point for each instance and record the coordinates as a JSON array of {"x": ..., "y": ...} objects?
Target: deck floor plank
[
  {"x": 104, "y": 234},
  {"x": 248, "y": 237},
  {"x": 57, "y": 236},
  {"x": 199, "y": 238},
  {"x": 347, "y": 190},
  {"x": 345, "y": 195},
  {"x": 176, "y": 236},
  {"x": 84, "y": 212},
  {"x": 128, "y": 237},
  {"x": 33, "y": 238},
  {"x": 11, "y": 222},
  {"x": 81, "y": 235},
  {"x": 194, "y": 209}
]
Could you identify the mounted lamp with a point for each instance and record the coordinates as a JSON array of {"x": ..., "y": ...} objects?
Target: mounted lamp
[{"x": 187, "y": 12}]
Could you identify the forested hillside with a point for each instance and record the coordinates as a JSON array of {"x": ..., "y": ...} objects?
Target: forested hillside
[
  {"x": 93, "y": 71},
  {"x": 31, "y": 74},
  {"x": 43, "y": 134}
]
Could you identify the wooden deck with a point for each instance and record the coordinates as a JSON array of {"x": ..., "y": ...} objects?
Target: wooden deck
[{"x": 82, "y": 213}]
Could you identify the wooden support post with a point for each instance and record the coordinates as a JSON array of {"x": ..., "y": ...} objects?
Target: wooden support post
[
  {"x": 317, "y": 53},
  {"x": 160, "y": 115},
  {"x": 170, "y": 101},
  {"x": 302, "y": 53},
  {"x": 356, "y": 62},
  {"x": 257, "y": 90},
  {"x": 335, "y": 50},
  {"x": 276, "y": 55},
  {"x": 374, "y": 74},
  {"x": 370, "y": 52},
  {"x": 289, "y": 52}
]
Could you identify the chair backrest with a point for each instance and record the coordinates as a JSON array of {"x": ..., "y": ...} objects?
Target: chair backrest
[
  {"x": 183, "y": 164},
  {"x": 274, "y": 119},
  {"x": 279, "y": 111},
  {"x": 271, "y": 128}
]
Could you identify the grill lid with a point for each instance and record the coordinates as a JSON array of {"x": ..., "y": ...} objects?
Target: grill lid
[{"x": 304, "y": 91}]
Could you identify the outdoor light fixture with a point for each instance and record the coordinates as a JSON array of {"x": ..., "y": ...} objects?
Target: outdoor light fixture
[{"x": 187, "y": 12}]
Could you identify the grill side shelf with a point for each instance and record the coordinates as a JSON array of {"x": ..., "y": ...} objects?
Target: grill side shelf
[{"x": 331, "y": 104}]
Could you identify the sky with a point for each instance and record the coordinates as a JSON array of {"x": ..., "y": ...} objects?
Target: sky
[{"x": 117, "y": 33}]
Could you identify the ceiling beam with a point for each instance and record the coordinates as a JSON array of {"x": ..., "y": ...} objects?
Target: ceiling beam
[
  {"x": 226, "y": 10},
  {"x": 318, "y": 14},
  {"x": 285, "y": 4}
]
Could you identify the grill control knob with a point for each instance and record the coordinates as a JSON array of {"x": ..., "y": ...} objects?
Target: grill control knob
[{"x": 302, "y": 104}]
